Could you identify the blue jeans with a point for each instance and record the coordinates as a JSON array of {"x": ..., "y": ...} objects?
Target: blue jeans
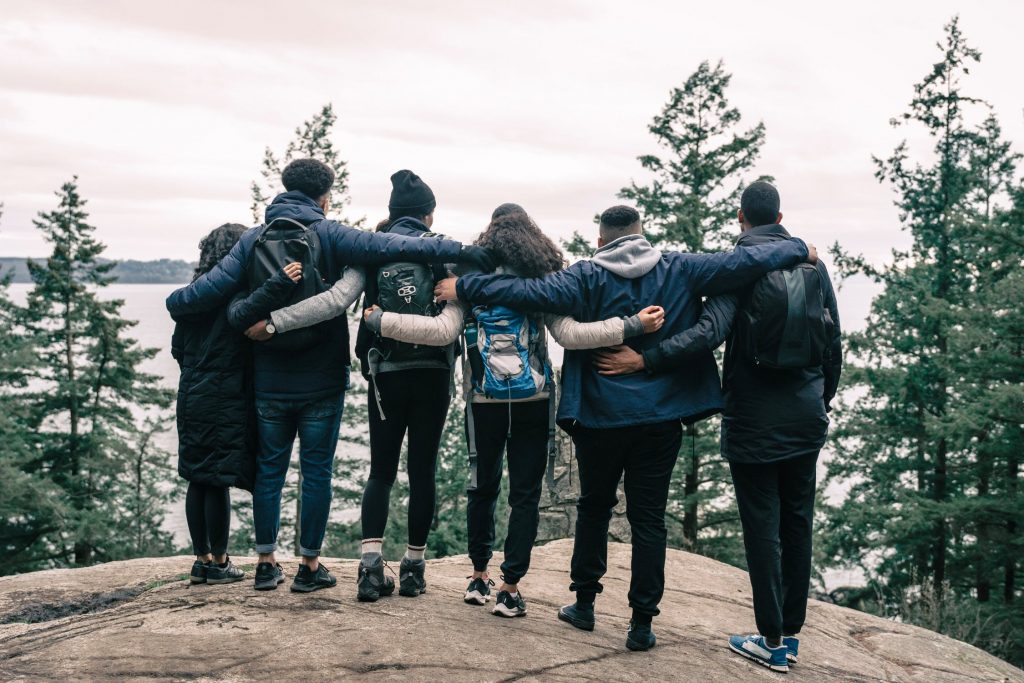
[{"x": 317, "y": 423}]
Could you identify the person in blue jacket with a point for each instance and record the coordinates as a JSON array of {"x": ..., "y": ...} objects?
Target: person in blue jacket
[
  {"x": 628, "y": 425},
  {"x": 303, "y": 392}
]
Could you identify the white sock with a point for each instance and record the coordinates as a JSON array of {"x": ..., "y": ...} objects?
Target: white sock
[
  {"x": 372, "y": 545},
  {"x": 514, "y": 594},
  {"x": 413, "y": 552}
]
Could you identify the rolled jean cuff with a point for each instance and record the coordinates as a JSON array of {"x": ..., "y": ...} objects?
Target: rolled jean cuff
[
  {"x": 306, "y": 552},
  {"x": 266, "y": 548}
]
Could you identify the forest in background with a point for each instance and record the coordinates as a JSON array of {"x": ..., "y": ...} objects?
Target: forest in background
[{"x": 927, "y": 437}]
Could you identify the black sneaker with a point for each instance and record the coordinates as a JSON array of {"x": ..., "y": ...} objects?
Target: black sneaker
[
  {"x": 507, "y": 606},
  {"x": 411, "y": 582},
  {"x": 198, "y": 574},
  {"x": 268, "y": 576},
  {"x": 580, "y": 616},
  {"x": 640, "y": 637},
  {"x": 478, "y": 592},
  {"x": 229, "y": 573},
  {"x": 307, "y": 581},
  {"x": 372, "y": 584}
]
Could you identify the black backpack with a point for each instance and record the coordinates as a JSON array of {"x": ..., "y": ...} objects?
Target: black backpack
[
  {"x": 783, "y": 322},
  {"x": 404, "y": 287},
  {"x": 279, "y": 243}
]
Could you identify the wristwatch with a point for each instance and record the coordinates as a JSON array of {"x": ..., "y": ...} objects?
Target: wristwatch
[{"x": 271, "y": 327}]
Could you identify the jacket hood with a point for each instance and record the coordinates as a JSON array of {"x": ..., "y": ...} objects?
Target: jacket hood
[
  {"x": 296, "y": 206},
  {"x": 761, "y": 234},
  {"x": 630, "y": 256},
  {"x": 408, "y": 224}
]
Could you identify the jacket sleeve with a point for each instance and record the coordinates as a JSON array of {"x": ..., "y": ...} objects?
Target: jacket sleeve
[
  {"x": 245, "y": 311},
  {"x": 571, "y": 334},
  {"x": 562, "y": 292},
  {"x": 177, "y": 344},
  {"x": 707, "y": 334},
  {"x": 833, "y": 367},
  {"x": 711, "y": 274},
  {"x": 215, "y": 288},
  {"x": 440, "y": 330},
  {"x": 365, "y": 248},
  {"x": 324, "y": 306}
]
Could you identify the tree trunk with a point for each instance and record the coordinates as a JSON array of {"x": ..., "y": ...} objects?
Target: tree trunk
[
  {"x": 1010, "y": 561},
  {"x": 690, "y": 486},
  {"x": 941, "y": 532}
]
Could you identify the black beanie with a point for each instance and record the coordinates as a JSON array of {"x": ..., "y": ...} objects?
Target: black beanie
[
  {"x": 506, "y": 209},
  {"x": 409, "y": 194}
]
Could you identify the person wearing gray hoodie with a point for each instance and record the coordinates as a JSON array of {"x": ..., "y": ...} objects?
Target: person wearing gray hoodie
[{"x": 629, "y": 425}]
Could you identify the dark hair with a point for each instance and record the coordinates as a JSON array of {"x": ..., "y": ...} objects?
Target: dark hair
[
  {"x": 518, "y": 243},
  {"x": 760, "y": 203},
  {"x": 505, "y": 209},
  {"x": 311, "y": 177},
  {"x": 619, "y": 217},
  {"x": 216, "y": 246}
]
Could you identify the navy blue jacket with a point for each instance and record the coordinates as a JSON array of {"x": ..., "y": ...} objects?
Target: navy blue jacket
[
  {"x": 321, "y": 370},
  {"x": 590, "y": 292},
  {"x": 770, "y": 414}
]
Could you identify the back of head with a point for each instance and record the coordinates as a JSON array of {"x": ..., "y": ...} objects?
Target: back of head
[
  {"x": 519, "y": 243},
  {"x": 216, "y": 246},
  {"x": 760, "y": 203},
  {"x": 311, "y": 177},
  {"x": 410, "y": 196},
  {"x": 619, "y": 221}
]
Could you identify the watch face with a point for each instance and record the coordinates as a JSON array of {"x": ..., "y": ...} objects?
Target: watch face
[{"x": 271, "y": 328}]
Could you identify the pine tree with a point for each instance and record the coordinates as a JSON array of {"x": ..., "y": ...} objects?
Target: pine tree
[
  {"x": 927, "y": 512},
  {"x": 312, "y": 139},
  {"x": 88, "y": 395},
  {"x": 690, "y": 204}
]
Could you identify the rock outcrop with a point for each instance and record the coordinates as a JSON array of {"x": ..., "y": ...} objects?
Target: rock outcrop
[{"x": 140, "y": 620}]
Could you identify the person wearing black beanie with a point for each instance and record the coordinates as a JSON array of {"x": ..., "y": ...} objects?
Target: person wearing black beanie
[{"x": 410, "y": 196}]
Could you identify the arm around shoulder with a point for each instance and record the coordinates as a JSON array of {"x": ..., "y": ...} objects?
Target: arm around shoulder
[
  {"x": 707, "y": 334},
  {"x": 324, "y": 306},
  {"x": 574, "y": 335}
]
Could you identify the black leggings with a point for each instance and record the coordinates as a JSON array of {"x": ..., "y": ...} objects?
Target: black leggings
[
  {"x": 208, "y": 511},
  {"x": 417, "y": 401}
]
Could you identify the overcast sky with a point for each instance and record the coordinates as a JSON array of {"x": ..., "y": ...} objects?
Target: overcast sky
[{"x": 163, "y": 109}]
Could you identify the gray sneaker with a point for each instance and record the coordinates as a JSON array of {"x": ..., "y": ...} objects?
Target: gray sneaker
[
  {"x": 372, "y": 584},
  {"x": 229, "y": 573},
  {"x": 411, "y": 582},
  {"x": 198, "y": 573}
]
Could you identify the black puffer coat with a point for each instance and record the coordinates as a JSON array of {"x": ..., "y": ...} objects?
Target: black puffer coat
[{"x": 216, "y": 404}]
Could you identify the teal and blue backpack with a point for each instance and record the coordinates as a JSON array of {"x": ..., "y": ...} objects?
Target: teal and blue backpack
[{"x": 513, "y": 362}]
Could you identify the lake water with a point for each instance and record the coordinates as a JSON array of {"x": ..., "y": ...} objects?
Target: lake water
[{"x": 145, "y": 304}]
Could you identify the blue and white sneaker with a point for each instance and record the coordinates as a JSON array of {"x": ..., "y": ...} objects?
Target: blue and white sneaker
[
  {"x": 792, "y": 644},
  {"x": 756, "y": 649}
]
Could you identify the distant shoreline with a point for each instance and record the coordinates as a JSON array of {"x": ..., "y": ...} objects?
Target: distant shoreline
[{"x": 127, "y": 271}]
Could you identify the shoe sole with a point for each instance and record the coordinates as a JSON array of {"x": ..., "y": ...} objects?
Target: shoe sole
[
  {"x": 372, "y": 595},
  {"x": 638, "y": 647},
  {"x": 502, "y": 611},
  {"x": 269, "y": 584},
  {"x": 475, "y": 598},
  {"x": 768, "y": 665},
  {"x": 196, "y": 582},
  {"x": 221, "y": 581},
  {"x": 581, "y": 625},
  {"x": 791, "y": 659},
  {"x": 414, "y": 593},
  {"x": 307, "y": 588}
]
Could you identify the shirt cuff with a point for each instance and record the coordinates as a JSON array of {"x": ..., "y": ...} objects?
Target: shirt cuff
[
  {"x": 632, "y": 327},
  {"x": 374, "y": 321}
]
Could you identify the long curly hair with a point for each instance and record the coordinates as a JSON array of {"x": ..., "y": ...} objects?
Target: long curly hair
[
  {"x": 518, "y": 243},
  {"x": 216, "y": 246}
]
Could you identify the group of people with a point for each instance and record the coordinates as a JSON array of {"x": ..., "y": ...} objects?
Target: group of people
[{"x": 262, "y": 339}]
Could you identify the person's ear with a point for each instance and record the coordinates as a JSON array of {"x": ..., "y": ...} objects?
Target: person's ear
[
  {"x": 325, "y": 202},
  {"x": 739, "y": 217},
  {"x": 600, "y": 242},
  {"x": 428, "y": 220},
  {"x": 778, "y": 219}
]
